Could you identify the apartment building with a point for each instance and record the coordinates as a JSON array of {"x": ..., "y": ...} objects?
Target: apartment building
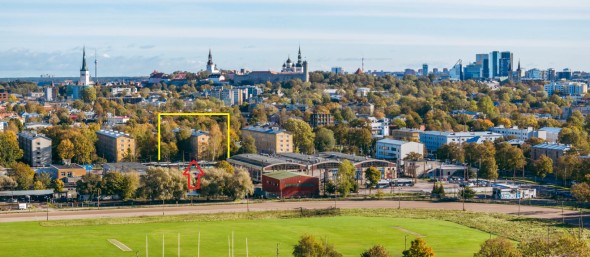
[
  {"x": 199, "y": 142},
  {"x": 36, "y": 148},
  {"x": 270, "y": 140},
  {"x": 114, "y": 146}
]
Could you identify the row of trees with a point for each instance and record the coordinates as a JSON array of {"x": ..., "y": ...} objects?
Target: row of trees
[
  {"x": 310, "y": 246},
  {"x": 166, "y": 184},
  {"x": 561, "y": 244}
]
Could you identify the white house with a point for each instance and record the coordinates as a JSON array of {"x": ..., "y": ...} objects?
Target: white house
[
  {"x": 379, "y": 128},
  {"x": 391, "y": 149}
]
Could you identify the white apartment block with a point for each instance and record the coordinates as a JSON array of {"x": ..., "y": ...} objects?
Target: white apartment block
[
  {"x": 379, "y": 128},
  {"x": 519, "y": 133},
  {"x": 433, "y": 140},
  {"x": 566, "y": 87}
]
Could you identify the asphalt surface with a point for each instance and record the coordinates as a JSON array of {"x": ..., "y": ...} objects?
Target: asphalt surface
[{"x": 526, "y": 211}]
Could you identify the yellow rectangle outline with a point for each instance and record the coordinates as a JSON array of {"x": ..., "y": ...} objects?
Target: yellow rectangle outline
[{"x": 195, "y": 114}]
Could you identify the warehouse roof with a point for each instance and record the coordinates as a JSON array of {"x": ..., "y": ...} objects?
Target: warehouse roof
[{"x": 283, "y": 174}]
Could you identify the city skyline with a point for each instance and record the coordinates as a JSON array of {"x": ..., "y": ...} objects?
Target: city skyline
[{"x": 137, "y": 37}]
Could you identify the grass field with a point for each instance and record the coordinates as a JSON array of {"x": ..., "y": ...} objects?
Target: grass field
[
  {"x": 450, "y": 233},
  {"x": 349, "y": 234}
]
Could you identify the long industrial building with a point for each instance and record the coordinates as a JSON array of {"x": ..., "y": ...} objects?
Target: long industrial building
[{"x": 323, "y": 165}]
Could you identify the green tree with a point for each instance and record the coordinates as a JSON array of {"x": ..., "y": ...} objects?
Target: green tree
[
  {"x": 225, "y": 166},
  {"x": 510, "y": 157},
  {"x": 543, "y": 166},
  {"x": 345, "y": 178},
  {"x": 218, "y": 182},
  {"x": 89, "y": 184},
  {"x": 489, "y": 169},
  {"x": 163, "y": 184},
  {"x": 486, "y": 105},
  {"x": 568, "y": 165},
  {"x": 309, "y": 246},
  {"x": 372, "y": 175},
  {"x": 65, "y": 149},
  {"x": 498, "y": 247},
  {"x": 89, "y": 94},
  {"x": 129, "y": 185},
  {"x": 438, "y": 190},
  {"x": 44, "y": 178},
  {"x": 581, "y": 192},
  {"x": 57, "y": 185},
  {"x": 303, "y": 136},
  {"x": 413, "y": 156},
  {"x": 419, "y": 248},
  {"x": 7, "y": 183},
  {"x": 23, "y": 175},
  {"x": 112, "y": 183},
  {"x": 9, "y": 150},
  {"x": 324, "y": 140},
  {"x": 248, "y": 145},
  {"x": 558, "y": 245},
  {"x": 466, "y": 193},
  {"x": 451, "y": 151},
  {"x": 376, "y": 251}
]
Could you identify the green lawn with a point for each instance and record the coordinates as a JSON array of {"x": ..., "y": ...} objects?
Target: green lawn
[{"x": 349, "y": 234}]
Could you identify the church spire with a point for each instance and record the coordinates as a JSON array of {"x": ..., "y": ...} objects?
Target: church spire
[
  {"x": 210, "y": 61},
  {"x": 299, "y": 55},
  {"x": 84, "y": 67}
]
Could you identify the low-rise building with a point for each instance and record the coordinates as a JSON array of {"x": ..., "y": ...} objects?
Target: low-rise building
[
  {"x": 435, "y": 139},
  {"x": 397, "y": 150},
  {"x": 66, "y": 171},
  {"x": 405, "y": 134},
  {"x": 551, "y": 134},
  {"x": 566, "y": 88},
  {"x": 114, "y": 146},
  {"x": 518, "y": 133},
  {"x": 36, "y": 148},
  {"x": 553, "y": 151},
  {"x": 321, "y": 119},
  {"x": 379, "y": 127},
  {"x": 270, "y": 140},
  {"x": 286, "y": 184}
]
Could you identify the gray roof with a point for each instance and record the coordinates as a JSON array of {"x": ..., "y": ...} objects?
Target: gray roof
[
  {"x": 267, "y": 130},
  {"x": 548, "y": 146},
  {"x": 551, "y": 129},
  {"x": 31, "y": 135},
  {"x": 112, "y": 133},
  {"x": 393, "y": 141},
  {"x": 124, "y": 166},
  {"x": 26, "y": 192}
]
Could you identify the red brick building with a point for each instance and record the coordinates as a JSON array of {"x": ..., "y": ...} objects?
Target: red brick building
[{"x": 286, "y": 184}]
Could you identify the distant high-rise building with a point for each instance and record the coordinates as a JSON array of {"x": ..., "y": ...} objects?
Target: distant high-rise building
[
  {"x": 551, "y": 74},
  {"x": 472, "y": 71},
  {"x": 425, "y": 70},
  {"x": 535, "y": 74},
  {"x": 506, "y": 64},
  {"x": 435, "y": 71},
  {"x": 337, "y": 70},
  {"x": 484, "y": 61},
  {"x": 565, "y": 74},
  {"x": 456, "y": 73},
  {"x": 493, "y": 64}
]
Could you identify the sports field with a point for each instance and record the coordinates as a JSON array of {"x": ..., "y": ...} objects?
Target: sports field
[{"x": 350, "y": 235}]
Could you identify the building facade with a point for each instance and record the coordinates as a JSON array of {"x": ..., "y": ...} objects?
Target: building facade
[
  {"x": 199, "y": 143},
  {"x": 286, "y": 184},
  {"x": 566, "y": 88},
  {"x": 36, "y": 149},
  {"x": 553, "y": 151},
  {"x": 321, "y": 119},
  {"x": 270, "y": 140},
  {"x": 518, "y": 133},
  {"x": 289, "y": 71},
  {"x": 433, "y": 140},
  {"x": 114, "y": 146},
  {"x": 397, "y": 150},
  {"x": 379, "y": 127},
  {"x": 405, "y": 134}
]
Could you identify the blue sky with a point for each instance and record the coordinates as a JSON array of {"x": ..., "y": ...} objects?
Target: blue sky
[{"x": 135, "y": 37}]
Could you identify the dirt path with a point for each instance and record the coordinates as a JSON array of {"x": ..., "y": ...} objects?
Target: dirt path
[{"x": 528, "y": 211}]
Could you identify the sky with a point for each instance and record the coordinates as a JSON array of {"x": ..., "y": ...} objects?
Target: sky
[{"x": 136, "y": 37}]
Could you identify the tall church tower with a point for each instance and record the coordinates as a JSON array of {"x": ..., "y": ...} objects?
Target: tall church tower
[
  {"x": 84, "y": 73},
  {"x": 211, "y": 69}
]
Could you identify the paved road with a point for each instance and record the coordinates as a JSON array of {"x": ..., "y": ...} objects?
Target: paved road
[{"x": 528, "y": 211}]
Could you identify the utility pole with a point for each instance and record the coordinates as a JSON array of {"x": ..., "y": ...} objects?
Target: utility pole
[{"x": 277, "y": 249}]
